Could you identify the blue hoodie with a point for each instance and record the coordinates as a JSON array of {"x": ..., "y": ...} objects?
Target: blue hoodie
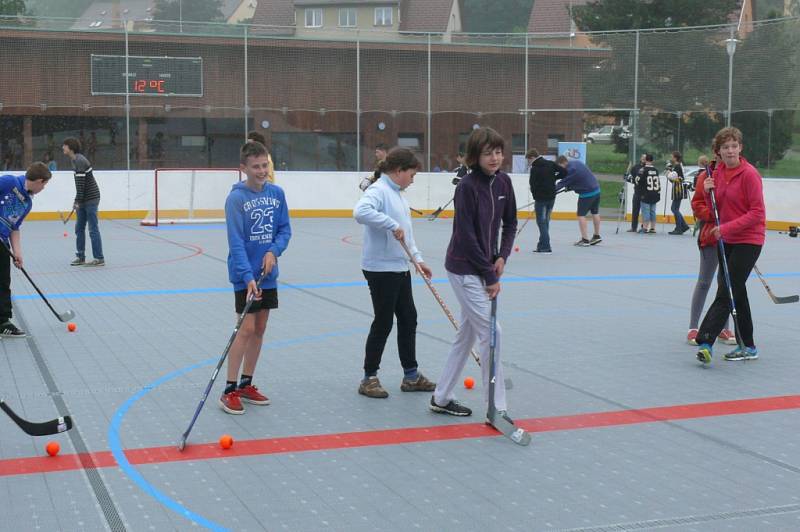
[
  {"x": 580, "y": 179},
  {"x": 257, "y": 222},
  {"x": 15, "y": 204}
]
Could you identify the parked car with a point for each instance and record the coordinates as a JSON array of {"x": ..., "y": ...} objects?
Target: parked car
[{"x": 605, "y": 135}]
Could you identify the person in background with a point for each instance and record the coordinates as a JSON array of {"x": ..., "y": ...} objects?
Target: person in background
[
  {"x": 543, "y": 177},
  {"x": 580, "y": 179},
  {"x": 709, "y": 259},
  {"x": 87, "y": 201},
  {"x": 675, "y": 176}
]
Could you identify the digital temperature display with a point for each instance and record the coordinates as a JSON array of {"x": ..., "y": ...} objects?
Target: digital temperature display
[{"x": 147, "y": 76}]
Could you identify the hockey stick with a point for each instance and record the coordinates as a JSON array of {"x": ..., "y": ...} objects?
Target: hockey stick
[
  {"x": 498, "y": 421},
  {"x": 435, "y": 214},
  {"x": 47, "y": 428},
  {"x": 442, "y": 304},
  {"x": 62, "y": 316},
  {"x": 182, "y": 443},
  {"x": 775, "y": 299},
  {"x": 65, "y": 220},
  {"x": 725, "y": 271}
]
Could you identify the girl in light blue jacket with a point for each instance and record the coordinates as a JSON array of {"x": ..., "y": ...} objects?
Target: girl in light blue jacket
[{"x": 384, "y": 213}]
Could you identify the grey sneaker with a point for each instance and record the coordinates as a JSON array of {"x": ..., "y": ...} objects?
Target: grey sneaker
[
  {"x": 97, "y": 262},
  {"x": 422, "y": 384},
  {"x": 78, "y": 262},
  {"x": 372, "y": 388},
  {"x": 453, "y": 408},
  {"x": 583, "y": 243},
  {"x": 503, "y": 414}
]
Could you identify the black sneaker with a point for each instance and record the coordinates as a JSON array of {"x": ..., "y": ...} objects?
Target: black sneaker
[
  {"x": 542, "y": 250},
  {"x": 676, "y": 232},
  {"x": 9, "y": 330},
  {"x": 454, "y": 408},
  {"x": 596, "y": 239},
  {"x": 631, "y": 230}
]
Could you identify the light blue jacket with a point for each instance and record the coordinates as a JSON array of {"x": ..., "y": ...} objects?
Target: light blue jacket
[
  {"x": 257, "y": 222},
  {"x": 380, "y": 210}
]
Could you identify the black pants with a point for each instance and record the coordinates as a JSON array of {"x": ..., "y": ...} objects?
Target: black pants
[
  {"x": 391, "y": 296},
  {"x": 5, "y": 284},
  {"x": 637, "y": 203},
  {"x": 741, "y": 259}
]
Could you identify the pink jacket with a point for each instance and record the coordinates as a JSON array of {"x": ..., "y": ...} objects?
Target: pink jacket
[{"x": 740, "y": 200}]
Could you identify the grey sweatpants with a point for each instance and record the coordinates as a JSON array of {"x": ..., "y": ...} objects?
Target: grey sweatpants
[
  {"x": 709, "y": 263},
  {"x": 474, "y": 327}
]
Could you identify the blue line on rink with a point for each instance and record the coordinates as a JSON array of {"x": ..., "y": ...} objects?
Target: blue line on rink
[
  {"x": 347, "y": 284},
  {"x": 115, "y": 443}
]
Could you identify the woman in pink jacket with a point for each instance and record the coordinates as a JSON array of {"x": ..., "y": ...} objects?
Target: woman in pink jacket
[{"x": 742, "y": 223}]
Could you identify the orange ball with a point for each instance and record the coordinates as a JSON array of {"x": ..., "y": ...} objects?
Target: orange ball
[
  {"x": 66, "y": 235},
  {"x": 71, "y": 327},
  {"x": 469, "y": 382},
  {"x": 516, "y": 249},
  {"x": 226, "y": 441},
  {"x": 52, "y": 448}
]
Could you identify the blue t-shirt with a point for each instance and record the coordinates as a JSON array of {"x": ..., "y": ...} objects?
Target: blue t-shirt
[{"x": 15, "y": 204}]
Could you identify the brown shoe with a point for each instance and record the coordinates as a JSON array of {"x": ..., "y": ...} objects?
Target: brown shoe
[
  {"x": 422, "y": 384},
  {"x": 372, "y": 388}
]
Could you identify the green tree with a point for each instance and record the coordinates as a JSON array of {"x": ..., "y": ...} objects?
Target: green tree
[
  {"x": 12, "y": 7},
  {"x": 491, "y": 16},
  {"x": 611, "y": 15},
  {"x": 189, "y": 10}
]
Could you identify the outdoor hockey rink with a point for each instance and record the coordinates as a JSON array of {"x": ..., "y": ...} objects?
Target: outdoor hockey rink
[{"x": 629, "y": 431}]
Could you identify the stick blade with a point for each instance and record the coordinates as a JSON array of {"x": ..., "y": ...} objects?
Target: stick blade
[
  {"x": 780, "y": 300},
  {"x": 435, "y": 214},
  {"x": 66, "y": 316},
  {"x": 182, "y": 443},
  {"x": 509, "y": 430},
  {"x": 46, "y": 428}
]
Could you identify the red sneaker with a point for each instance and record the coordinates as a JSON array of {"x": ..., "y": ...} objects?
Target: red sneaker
[
  {"x": 691, "y": 338},
  {"x": 231, "y": 403},
  {"x": 250, "y": 394},
  {"x": 727, "y": 337}
]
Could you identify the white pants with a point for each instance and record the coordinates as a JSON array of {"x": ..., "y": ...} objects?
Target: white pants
[{"x": 474, "y": 324}]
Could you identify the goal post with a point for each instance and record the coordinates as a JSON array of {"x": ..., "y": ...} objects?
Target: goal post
[{"x": 190, "y": 195}]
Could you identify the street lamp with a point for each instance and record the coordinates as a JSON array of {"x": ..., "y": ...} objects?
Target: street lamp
[{"x": 730, "y": 45}]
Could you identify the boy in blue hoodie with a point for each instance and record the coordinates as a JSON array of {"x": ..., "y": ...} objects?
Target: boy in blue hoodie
[
  {"x": 15, "y": 203},
  {"x": 584, "y": 183},
  {"x": 257, "y": 220}
]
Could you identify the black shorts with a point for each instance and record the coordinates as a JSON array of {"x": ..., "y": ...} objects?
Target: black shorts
[
  {"x": 588, "y": 204},
  {"x": 269, "y": 300}
]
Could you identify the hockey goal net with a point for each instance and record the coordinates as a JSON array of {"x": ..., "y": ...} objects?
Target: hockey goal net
[{"x": 190, "y": 195}]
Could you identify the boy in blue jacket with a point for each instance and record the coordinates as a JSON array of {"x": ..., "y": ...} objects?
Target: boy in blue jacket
[
  {"x": 15, "y": 204},
  {"x": 257, "y": 220},
  {"x": 584, "y": 183}
]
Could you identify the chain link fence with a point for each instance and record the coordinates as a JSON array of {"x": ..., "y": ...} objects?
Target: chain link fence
[{"x": 150, "y": 94}]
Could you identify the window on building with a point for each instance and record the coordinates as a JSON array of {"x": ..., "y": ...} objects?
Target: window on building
[
  {"x": 383, "y": 16},
  {"x": 410, "y": 141},
  {"x": 313, "y": 18},
  {"x": 347, "y": 17}
]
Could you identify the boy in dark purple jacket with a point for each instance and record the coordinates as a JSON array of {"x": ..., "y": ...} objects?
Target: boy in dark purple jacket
[{"x": 484, "y": 204}]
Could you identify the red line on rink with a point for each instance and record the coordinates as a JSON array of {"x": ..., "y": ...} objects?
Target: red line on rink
[{"x": 348, "y": 440}]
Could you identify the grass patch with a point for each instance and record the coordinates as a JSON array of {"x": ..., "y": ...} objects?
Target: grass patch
[
  {"x": 609, "y": 194},
  {"x": 602, "y": 159}
]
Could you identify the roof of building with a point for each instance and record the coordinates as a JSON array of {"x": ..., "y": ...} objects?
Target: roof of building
[
  {"x": 425, "y": 15},
  {"x": 552, "y": 16},
  {"x": 344, "y": 2},
  {"x": 274, "y": 13}
]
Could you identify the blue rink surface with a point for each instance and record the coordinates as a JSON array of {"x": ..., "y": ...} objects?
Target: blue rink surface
[{"x": 629, "y": 431}]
